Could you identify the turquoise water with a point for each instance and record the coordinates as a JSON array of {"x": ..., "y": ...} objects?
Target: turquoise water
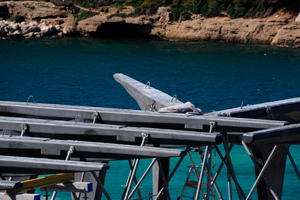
[{"x": 213, "y": 76}]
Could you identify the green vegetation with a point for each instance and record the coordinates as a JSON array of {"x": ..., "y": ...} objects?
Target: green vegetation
[
  {"x": 184, "y": 9},
  {"x": 85, "y": 4},
  {"x": 210, "y": 8},
  {"x": 117, "y": 4},
  {"x": 134, "y": 3},
  {"x": 85, "y": 14}
]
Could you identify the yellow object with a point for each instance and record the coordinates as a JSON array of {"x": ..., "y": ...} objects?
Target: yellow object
[{"x": 42, "y": 182}]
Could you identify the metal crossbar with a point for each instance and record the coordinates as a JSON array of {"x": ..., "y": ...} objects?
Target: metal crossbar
[
  {"x": 232, "y": 171},
  {"x": 161, "y": 174},
  {"x": 206, "y": 171},
  {"x": 135, "y": 180},
  {"x": 171, "y": 175},
  {"x": 207, "y": 151},
  {"x": 70, "y": 152},
  {"x": 142, "y": 179},
  {"x": 261, "y": 175},
  {"x": 133, "y": 171},
  {"x": 230, "y": 167},
  {"x": 101, "y": 185},
  {"x": 199, "y": 186},
  {"x": 292, "y": 161},
  {"x": 138, "y": 184}
]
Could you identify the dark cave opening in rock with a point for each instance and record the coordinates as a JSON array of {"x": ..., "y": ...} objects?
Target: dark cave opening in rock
[{"x": 123, "y": 30}]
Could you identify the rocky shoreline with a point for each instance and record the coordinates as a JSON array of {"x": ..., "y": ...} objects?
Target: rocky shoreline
[
  {"x": 43, "y": 19},
  {"x": 32, "y": 29}
]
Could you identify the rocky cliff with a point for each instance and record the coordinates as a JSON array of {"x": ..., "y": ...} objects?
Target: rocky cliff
[{"x": 36, "y": 19}]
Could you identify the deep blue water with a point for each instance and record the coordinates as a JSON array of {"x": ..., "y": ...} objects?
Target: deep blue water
[{"x": 213, "y": 76}]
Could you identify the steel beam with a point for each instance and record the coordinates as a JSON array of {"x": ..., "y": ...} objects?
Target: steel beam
[
  {"x": 13, "y": 164},
  {"x": 106, "y": 133},
  {"x": 285, "y": 135},
  {"x": 287, "y": 110},
  {"x": 90, "y": 151},
  {"x": 133, "y": 117}
]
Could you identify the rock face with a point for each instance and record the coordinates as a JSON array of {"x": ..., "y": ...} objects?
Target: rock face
[
  {"x": 51, "y": 19},
  {"x": 281, "y": 29},
  {"x": 35, "y": 10},
  {"x": 298, "y": 18},
  {"x": 67, "y": 30}
]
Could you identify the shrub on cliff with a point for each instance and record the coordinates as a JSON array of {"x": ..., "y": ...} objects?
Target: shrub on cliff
[
  {"x": 85, "y": 14},
  {"x": 235, "y": 8},
  {"x": 182, "y": 9},
  {"x": 134, "y": 3},
  {"x": 117, "y": 4},
  {"x": 85, "y": 4},
  {"x": 148, "y": 7}
]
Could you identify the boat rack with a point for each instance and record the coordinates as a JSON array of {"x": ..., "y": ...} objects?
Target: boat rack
[{"x": 39, "y": 139}]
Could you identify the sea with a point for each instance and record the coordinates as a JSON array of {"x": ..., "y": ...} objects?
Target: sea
[{"x": 211, "y": 75}]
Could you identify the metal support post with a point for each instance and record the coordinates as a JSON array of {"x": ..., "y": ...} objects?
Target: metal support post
[
  {"x": 230, "y": 168},
  {"x": 131, "y": 178},
  {"x": 199, "y": 186},
  {"x": 130, "y": 174},
  {"x": 135, "y": 180},
  {"x": 101, "y": 185},
  {"x": 46, "y": 195},
  {"x": 85, "y": 196},
  {"x": 222, "y": 164},
  {"x": 71, "y": 150},
  {"x": 142, "y": 179},
  {"x": 133, "y": 172},
  {"x": 213, "y": 182},
  {"x": 171, "y": 175},
  {"x": 259, "y": 169},
  {"x": 209, "y": 172},
  {"x": 163, "y": 178},
  {"x": 207, "y": 151},
  {"x": 262, "y": 172},
  {"x": 292, "y": 161},
  {"x": 74, "y": 195},
  {"x": 229, "y": 182}
]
